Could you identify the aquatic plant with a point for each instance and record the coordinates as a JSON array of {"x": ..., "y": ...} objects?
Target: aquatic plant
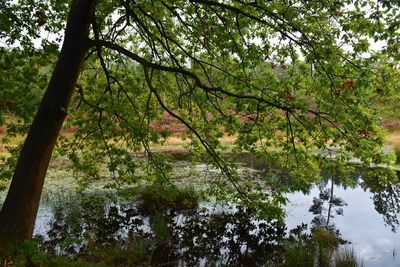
[
  {"x": 326, "y": 242},
  {"x": 159, "y": 223},
  {"x": 320, "y": 249},
  {"x": 346, "y": 257},
  {"x": 299, "y": 254},
  {"x": 153, "y": 198}
]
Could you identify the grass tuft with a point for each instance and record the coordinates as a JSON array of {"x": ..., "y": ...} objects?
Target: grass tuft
[{"x": 346, "y": 257}]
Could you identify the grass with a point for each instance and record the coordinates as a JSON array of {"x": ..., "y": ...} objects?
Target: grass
[
  {"x": 26, "y": 253},
  {"x": 176, "y": 143},
  {"x": 393, "y": 138},
  {"x": 159, "y": 225},
  {"x": 300, "y": 254},
  {"x": 322, "y": 250},
  {"x": 346, "y": 257},
  {"x": 326, "y": 242}
]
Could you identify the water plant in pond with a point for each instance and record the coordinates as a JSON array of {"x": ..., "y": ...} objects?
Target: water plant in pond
[
  {"x": 160, "y": 224},
  {"x": 326, "y": 242},
  {"x": 27, "y": 253},
  {"x": 321, "y": 248},
  {"x": 299, "y": 253},
  {"x": 156, "y": 197},
  {"x": 346, "y": 257},
  {"x": 299, "y": 249}
]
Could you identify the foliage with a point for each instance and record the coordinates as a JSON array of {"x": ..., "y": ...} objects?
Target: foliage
[
  {"x": 384, "y": 184},
  {"x": 23, "y": 76},
  {"x": 22, "y": 81},
  {"x": 22, "y": 22},
  {"x": 294, "y": 77},
  {"x": 262, "y": 91}
]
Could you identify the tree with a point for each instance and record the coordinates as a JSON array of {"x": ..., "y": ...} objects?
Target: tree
[
  {"x": 274, "y": 74},
  {"x": 20, "y": 207}
]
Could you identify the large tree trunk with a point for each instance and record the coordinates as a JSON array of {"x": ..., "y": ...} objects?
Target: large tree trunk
[{"x": 18, "y": 214}]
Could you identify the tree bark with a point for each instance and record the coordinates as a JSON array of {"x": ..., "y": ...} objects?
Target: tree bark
[{"x": 18, "y": 214}]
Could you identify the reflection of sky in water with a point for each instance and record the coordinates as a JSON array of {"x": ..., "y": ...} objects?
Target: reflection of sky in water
[
  {"x": 43, "y": 219},
  {"x": 361, "y": 224}
]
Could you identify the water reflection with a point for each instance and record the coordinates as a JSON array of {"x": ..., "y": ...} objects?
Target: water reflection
[
  {"x": 323, "y": 216},
  {"x": 362, "y": 208},
  {"x": 211, "y": 235},
  {"x": 386, "y": 198}
]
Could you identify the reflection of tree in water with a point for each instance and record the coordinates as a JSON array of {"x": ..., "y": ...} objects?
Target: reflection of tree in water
[
  {"x": 239, "y": 236},
  {"x": 383, "y": 184},
  {"x": 385, "y": 187},
  {"x": 228, "y": 237},
  {"x": 325, "y": 206},
  {"x": 387, "y": 203}
]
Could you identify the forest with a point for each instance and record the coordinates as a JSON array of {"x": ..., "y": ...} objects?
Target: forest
[{"x": 199, "y": 133}]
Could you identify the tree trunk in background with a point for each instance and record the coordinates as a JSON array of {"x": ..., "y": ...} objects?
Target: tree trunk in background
[{"x": 18, "y": 214}]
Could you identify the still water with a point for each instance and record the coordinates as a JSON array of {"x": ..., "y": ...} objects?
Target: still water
[
  {"x": 364, "y": 212},
  {"x": 375, "y": 241}
]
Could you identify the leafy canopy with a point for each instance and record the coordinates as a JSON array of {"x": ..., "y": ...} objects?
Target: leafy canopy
[{"x": 287, "y": 79}]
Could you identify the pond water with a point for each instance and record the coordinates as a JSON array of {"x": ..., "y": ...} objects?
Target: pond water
[
  {"x": 364, "y": 212},
  {"x": 373, "y": 235}
]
